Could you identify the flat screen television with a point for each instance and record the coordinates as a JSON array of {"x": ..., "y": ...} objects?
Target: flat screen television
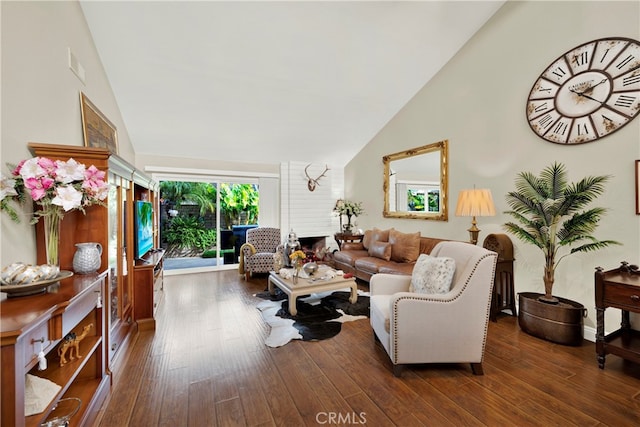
[{"x": 144, "y": 228}]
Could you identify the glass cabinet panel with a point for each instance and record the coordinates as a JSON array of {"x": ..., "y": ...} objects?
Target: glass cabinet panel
[
  {"x": 114, "y": 265},
  {"x": 119, "y": 287}
]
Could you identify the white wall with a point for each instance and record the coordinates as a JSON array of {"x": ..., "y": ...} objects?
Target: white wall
[
  {"x": 309, "y": 213},
  {"x": 478, "y": 101},
  {"x": 41, "y": 95}
]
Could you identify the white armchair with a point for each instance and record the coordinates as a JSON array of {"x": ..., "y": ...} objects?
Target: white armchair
[{"x": 436, "y": 328}]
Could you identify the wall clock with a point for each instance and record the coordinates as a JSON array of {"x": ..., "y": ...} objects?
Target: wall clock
[{"x": 588, "y": 93}]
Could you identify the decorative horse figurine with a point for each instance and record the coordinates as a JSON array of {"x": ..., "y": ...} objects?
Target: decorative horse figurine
[{"x": 70, "y": 343}]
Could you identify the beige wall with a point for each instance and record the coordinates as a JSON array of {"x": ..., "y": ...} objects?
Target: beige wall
[
  {"x": 477, "y": 102},
  {"x": 41, "y": 95}
]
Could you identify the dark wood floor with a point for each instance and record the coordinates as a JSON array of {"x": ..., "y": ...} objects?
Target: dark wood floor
[{"x": 207, "y": 365}]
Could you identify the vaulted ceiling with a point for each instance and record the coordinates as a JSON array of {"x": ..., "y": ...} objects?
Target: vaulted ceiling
[{"x": 266, "y": 82}]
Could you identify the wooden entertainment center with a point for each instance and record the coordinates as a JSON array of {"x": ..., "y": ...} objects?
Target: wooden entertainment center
[{"x": 119, "y": 299}]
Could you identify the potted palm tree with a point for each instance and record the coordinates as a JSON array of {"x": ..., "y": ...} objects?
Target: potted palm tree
[{"x": 553, "y": 215}]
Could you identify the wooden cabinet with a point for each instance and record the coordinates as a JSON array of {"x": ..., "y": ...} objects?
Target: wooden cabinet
[
  {"x": 40, "y": 322},
  {"x": 113, "y": 227},
  {"x": 619, "y": 288},
  {"x": 148, "y": 277}
]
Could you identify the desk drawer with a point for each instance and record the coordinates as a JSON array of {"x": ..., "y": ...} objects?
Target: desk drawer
[
  {"x": 35, "y": 340},
  {"x": 624, "y": 297}
]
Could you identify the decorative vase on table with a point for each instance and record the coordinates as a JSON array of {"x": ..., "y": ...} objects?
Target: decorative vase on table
[
  {"x": 86, "y": 260},
  {"x": 52, "y": 237},
  {"x": 292, "y": 245}
]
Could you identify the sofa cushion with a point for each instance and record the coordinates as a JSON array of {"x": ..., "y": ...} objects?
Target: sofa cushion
[
  {"x": 380, "y": 250},
  {"x": 428, "y": 243},
  {"x": 432, "y": 275},
  {"x": 352, "y": 246},
  {"x": 393, "y": 267},
  {"x": 349, "y": 257},
  {"x": 405, "y": 247},
  {"x": 366, "y": 239},
  {"x": 380, "y": 235},
  {"x": 369, "y": 265}
]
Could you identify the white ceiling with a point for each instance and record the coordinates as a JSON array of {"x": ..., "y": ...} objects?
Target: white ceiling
[{"x": 266, "y": 82}]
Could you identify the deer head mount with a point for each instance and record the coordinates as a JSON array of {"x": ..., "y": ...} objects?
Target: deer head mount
[{"x": 311, "y": 182}]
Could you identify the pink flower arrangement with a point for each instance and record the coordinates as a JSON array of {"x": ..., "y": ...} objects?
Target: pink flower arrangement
[{"x": 57, "y": 186}]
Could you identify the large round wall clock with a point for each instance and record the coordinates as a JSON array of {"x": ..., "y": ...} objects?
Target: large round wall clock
[{"x": 588, "y": 93}]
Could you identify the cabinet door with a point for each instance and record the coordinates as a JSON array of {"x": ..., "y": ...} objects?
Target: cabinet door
[{"x": 119, "y": 285}]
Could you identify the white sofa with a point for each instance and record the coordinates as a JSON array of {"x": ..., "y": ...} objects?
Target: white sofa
[{"x": 436, "y": 328}]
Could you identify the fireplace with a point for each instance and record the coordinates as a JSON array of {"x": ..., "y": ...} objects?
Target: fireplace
[{"x": 311, "y": 245}]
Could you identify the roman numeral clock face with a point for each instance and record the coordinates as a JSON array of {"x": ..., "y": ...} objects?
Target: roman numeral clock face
[{"x": 587, "y": 93}]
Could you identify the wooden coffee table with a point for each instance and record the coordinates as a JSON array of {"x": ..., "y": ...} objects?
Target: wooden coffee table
[{"x": 306, "y": 286}]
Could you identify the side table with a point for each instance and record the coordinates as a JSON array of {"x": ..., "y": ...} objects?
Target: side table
[
  {"x": 347, "y": 237},
  {"x": 619, "y": 288}
]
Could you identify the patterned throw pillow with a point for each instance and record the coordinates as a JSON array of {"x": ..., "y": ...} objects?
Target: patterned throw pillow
[{"x": 432, "y": 275}]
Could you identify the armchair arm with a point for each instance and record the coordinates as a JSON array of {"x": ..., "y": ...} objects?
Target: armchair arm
[
  {"x": 453, "y": 320},
  {"x": 388, "y": 284}
]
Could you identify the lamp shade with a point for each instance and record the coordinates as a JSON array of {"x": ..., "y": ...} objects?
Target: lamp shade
[{"x": 475, "y": 202}]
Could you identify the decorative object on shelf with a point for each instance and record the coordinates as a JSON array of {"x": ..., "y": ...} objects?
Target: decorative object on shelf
[
  {"x": 297, "y": 258},
  {"x": 473, "y": 203},
  {"x": 57, "y": 187},
  {"x": 20, "y": 279},
  {"x": 350, "y": 209},
  {"x": 552, "y": 214},
  {"x": 97, "y": 130},
  {"x": 62, "y": 412},
  {"x": 71, "y": 344},
  {"x": 291, "y": 245},
  {"x": 278, "y": 261},
  {"x": 311, "y": 182},
  {"x": 38, "y": 394},
  {"x": 87, "y": 257},
  {"x": 587, "y": 93},
  {"x": 20, "y": 273},
  {"x": 37, "y": 287},
  {"x": 310, "y": 268}
]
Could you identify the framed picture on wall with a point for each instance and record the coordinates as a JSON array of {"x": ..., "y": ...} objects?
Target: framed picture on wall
[
  {"x": 97, "y": 130},
  {"x": 637, "y": 187}
]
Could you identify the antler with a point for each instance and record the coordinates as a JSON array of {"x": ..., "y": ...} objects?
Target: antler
[{"x": 311, "y": 183}]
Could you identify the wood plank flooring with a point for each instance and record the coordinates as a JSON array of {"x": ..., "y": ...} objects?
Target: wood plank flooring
[{"x": 207, "y": 365}]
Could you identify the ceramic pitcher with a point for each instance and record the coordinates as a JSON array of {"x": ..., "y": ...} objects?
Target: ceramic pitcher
[{"x": 87, "y": 257}]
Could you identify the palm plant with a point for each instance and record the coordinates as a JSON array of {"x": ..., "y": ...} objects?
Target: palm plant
[{"x": 552, "y": 215}]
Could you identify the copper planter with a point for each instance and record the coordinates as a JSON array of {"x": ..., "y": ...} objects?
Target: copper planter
[{"x": 562, "y": 323}]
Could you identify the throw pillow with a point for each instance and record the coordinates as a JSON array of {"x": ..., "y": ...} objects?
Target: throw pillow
[
  {"x": 380, "y": 250},
  {"x": 380, "y": 235},
  {"x": 432, "y": 275},
  {"x": 405, "y": 247},
  {"x": 366, "y": 239}
]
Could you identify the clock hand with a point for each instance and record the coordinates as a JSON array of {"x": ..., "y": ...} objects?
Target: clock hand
[
  {"x": 586, "y": 96},
  {"x": 591, "y": 88},
  {"x": 593, "y": 99}
]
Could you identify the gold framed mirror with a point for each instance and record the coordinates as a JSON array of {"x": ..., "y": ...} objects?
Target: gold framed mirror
[{"x": 416, "y": 183}]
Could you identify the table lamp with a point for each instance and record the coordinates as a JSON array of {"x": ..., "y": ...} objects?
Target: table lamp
[{"x": 473, "y": 203}]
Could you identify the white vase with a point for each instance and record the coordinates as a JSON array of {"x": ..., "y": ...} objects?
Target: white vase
[{"x": 86, "y": 260}]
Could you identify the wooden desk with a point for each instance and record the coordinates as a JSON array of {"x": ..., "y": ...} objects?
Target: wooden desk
[
  {"x": 347, "y": 237},
  {"x": 619, "y": 288}
]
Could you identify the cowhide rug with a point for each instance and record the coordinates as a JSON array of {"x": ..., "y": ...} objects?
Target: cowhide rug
[{"x": 320, "y": 316}]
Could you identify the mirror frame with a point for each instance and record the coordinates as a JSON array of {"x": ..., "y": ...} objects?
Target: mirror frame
[{"x": 443, "y": 148}]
